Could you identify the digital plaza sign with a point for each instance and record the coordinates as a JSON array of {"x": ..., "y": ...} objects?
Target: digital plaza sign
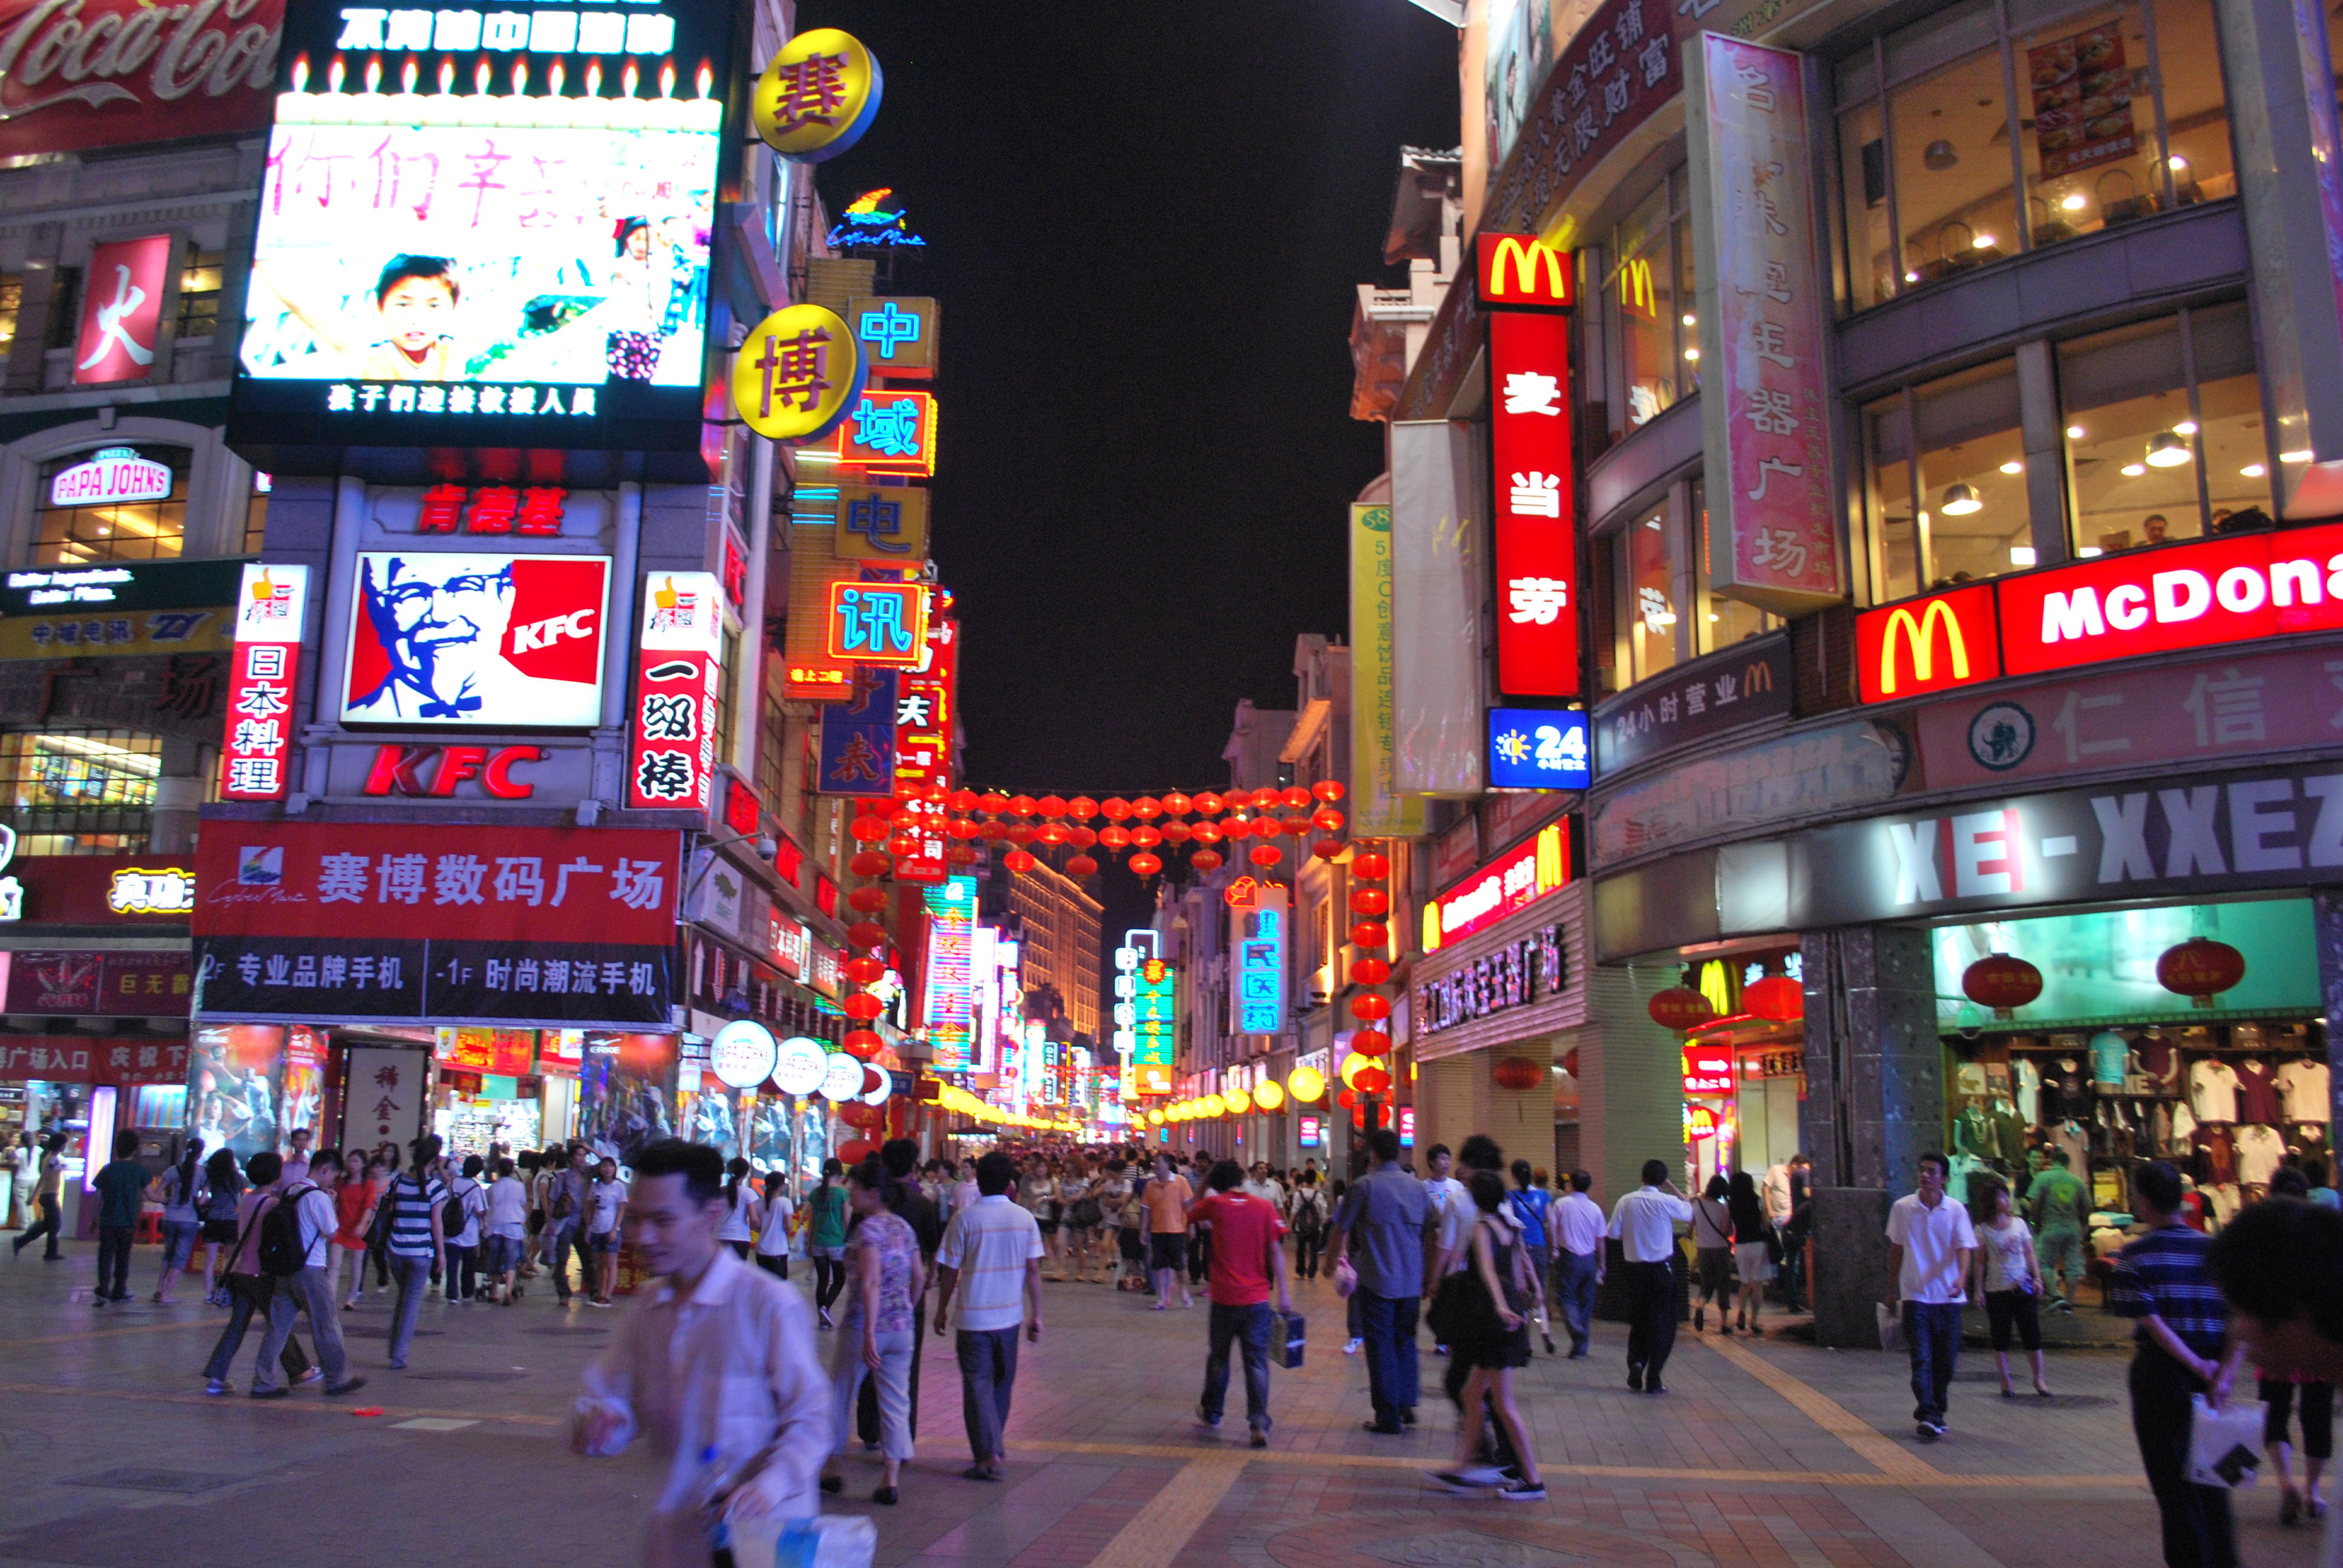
[{"x": 487, "y": 225}]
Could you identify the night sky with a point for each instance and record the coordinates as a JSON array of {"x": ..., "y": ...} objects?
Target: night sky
[{"x": 1144, "y": 223}]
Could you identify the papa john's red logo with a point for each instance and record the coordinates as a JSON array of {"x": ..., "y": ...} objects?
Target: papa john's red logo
[{"x": 498, "y": 642}]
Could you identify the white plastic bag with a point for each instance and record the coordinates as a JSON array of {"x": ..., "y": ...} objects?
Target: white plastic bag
[
  {"x": 830, "y": 1541},
  {"x": 2225, "y": 1446},
  {"x": 1891, "y": 1325}
]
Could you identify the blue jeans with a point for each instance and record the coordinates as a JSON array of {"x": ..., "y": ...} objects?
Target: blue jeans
[
  {"x": 560, "y": 1239},
  {"x": 988, "y": 1371},
  {"x": 307, "y": 1291},
  {"x": 1573, "y": 1293},
  {"x": 414, "y": 1277},
  {"x": 1251, "y": 1325},
  {"x": 1389, "y": 1325},
  {"x": 1931, "y": 1331}
]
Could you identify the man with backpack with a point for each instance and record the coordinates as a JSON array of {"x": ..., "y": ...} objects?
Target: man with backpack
[
  {"x": 296, "y": 1226},
  {"x": 250, "y": 1288},
  {"x": 564, "y": 1203}
]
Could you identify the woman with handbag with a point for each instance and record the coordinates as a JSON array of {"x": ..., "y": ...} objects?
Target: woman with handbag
[
  {"x": 1712, "y": 1242},
  {"x": 1752, "y": 1250},
  {"x": 1490, "y": 1333},
  {"x": 1078, "y": 1193},
  {"x": 1037, "y": 1194}
]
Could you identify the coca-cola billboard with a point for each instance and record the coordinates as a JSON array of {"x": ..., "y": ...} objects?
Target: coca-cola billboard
[{"x": 77, "y": 73}]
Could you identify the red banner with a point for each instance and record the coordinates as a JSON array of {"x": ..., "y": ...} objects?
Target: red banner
[
  {"x": 682, "y": 649},
  {"x": 1536, "y": 532},
  {"x": 270, "y": 608},
  {"x": 122, "y": 310},
  {"x": 79, "y": 1059},
  {"x": 588, "y": 885},
  {"x": 79, "y": 73}
]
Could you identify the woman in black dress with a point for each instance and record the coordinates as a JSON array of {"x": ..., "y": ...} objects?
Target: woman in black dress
[{"x": 1494, "y": 1340}]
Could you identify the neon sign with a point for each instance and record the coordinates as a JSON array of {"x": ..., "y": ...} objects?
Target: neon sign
[
  {"x": 1258, "y": 936},
  {"x": 1505, "y": 887}
]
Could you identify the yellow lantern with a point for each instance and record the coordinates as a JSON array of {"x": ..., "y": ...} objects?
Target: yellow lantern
[
  {"x": 1268, "y": 1096},
  {"x": 1155, "y": 1119},
  {"x": 1354, "y": 1064},
  {"x": 1212, "y": 1106},
  {"x": 1307, "y": 1085}
]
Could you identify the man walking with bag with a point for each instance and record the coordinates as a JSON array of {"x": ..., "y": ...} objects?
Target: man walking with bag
[
  {"x": 1247, "y": 1253},
  {"x": 297, "y": 1227},
  {"x": 1388, "y": 1214}
]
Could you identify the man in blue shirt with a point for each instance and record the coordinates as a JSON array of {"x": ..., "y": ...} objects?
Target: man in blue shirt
[
  {"x": 122, "y": 1190},
  {"x": 2164, "y": 1284},
  {"x": 1388, "y": 1213}
]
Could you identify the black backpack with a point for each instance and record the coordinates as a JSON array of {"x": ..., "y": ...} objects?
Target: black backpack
[{"x": 282, "y": 1251}]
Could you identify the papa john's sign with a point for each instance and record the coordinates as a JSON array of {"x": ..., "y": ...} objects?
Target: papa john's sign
[{"x": 2204, "y": 594}]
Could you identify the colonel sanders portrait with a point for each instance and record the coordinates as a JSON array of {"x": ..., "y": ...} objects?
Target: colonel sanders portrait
[{"x": 441, "y": 620}]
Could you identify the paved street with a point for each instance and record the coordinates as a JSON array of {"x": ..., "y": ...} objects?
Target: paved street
[{"x": 1769, "y": 1454}]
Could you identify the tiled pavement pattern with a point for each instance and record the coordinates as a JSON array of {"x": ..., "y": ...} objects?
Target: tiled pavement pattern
[{"x": 1763, "y": 1454}]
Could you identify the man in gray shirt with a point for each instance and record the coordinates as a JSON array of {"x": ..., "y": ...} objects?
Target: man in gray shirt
[{"x": 1388, "y": 1214}]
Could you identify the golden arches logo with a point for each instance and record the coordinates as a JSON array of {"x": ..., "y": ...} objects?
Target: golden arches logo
[
  {"x": 1527, "y": 256},
  {"x": 1919, "y": 632},
  {"x": 1553, "y": 868},
  {"x": 1637, "y": 290}
]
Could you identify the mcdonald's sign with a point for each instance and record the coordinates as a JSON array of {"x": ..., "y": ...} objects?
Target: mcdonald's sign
[
  {"x": 1923, "y": 645},
  {"x": 1519, "y": 272}
]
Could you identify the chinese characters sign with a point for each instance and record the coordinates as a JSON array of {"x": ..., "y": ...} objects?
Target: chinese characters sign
[
  {"x": 92, "y": 983},
  {"x": 1762, "y": 321},
  {"x": 122, "y": 311},
  {"x": 1741, "y": 685},
  {"x": 798, "y": 374},
  {"x": 858, "y": 737},
  {"x": 1505, "y": 887},
  {"x": 923, "y": 710},
  {"x": 1257, "y": 938},
  {"x": 817, "y": 96},
  {"x": 1620, "y": 67},
  {"x": 1533, "y": 503},
  {"x": 898, "y": 333},
  {"x": 878, "y": 623},
  {"x": 494, "y": 640},
  {"x": 876, "y": 524},
  {"x": 891, "y": 432},
  {"x": 264, "y": 666},
  {"x": 1708, "y": 1069},
  {"x": 675, "y": 692},
  {"x": 951, "y": 983},
  {"x": 1538, "y": 749}
]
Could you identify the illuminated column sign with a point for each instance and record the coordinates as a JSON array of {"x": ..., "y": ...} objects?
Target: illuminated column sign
[
  {"x": 1259, "y": 938},
  {"x": 1146, "y": 991},
  {"x": 270, "y": 606},
  {"x": 675, "y": 692},
  {"x": 951, "y": 1000},
  {"x": 1536, "y": 536}
]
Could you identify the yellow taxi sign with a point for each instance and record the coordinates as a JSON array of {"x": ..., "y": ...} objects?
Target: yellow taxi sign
[
  {"x": 817, "y": 96},
  {"x": 798, "y": 375}
]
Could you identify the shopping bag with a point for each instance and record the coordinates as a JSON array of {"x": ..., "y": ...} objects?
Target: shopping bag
[
  {"x": 828, "y": 1540},
  {"x": 1890, "y": 1326},
  {"x": 2225, "y": 1446},
  {"x": 1290, "y": 1355},
  {"x": 1346, "y": 1278}
]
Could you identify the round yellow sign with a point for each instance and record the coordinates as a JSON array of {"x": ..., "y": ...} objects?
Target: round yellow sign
[
  {"x": 817, "y": 96},
  {"x": 799, "y": 375}
]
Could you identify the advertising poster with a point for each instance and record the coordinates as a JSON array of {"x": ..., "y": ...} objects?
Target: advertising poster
[
  {"x": 98, "y": 984},
  {"x": 382, "y": 1096},
  {"x": 232, "y": 1078},
  {"x": 1519, "y": 50},
  {"x": 100, "y": 73},
  {"x": 675, "y": 691},
  {"x": 303, "y": 1092},
  {"x": 858, "y": 737},
  {"x": 2082, "y": 100},
  {"x": 1378, "y": 809},
  {"x": 486, "y": 224},
  {"x": 122, "y": 310},
  {"x": 495, "y": 640},
  {"x": 626, "y": 1093}
]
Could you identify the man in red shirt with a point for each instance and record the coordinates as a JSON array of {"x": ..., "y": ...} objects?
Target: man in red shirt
[{"x": 1246, "y": 1255}]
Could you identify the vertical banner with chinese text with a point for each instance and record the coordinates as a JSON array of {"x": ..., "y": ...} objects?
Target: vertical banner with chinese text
[
  {"x": 858, "y": 736},
  {"x": 1378, "y": 809},
  {"x": 1773, "y": 534},
  {"x": 1535, "y": 537},
  {"x": 258, "y": 749},
  {"x": 675, "y": 692}
]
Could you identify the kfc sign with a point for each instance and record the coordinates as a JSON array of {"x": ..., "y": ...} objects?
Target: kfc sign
[
  {"x": 81, "y": 73},
  {"x": 121, "y": 308},
  {"x": 1927, "y": 645},
  {"x": 1517, "y": 272},
  {"x": 433, "y": 772},
  {"x": 2220, "y": 591},
  {"x": 498, "y": 642},
  {"x": 269, "y": 611},
  {"x": 1537, "y": 517}
]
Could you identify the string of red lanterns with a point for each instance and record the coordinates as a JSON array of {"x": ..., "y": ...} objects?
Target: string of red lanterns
[
  {"x": 1145, "y": 826},
  {"x": 1371, "y": 934}
]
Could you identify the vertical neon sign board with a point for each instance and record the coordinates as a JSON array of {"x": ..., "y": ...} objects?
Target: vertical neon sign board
[
  {"x": 263, "y": 673},
  {"x": 952, "y": 984},
  {"x": 675, "y": 692},
  {"x": 1536, "y": 535},
  {"x": 1259, "y": 937}
]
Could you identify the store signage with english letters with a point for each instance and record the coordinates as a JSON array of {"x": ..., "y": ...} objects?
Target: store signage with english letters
[
  {"x": 434, "y": 771},
  {"x": 554, "y": 772}
]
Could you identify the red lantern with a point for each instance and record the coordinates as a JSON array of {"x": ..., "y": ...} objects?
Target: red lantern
[
  {"x": 866, "y": 933},
  {"x": 1052, "y": 833},
  {"x": 1021, "y": 805},
  {"x": 856, "y": 1114},
  {"x": 1147, "y": 808},
  {"x": 862, "y": 1006},
  {"x": 1370, "y": 1042},
  {"x": 1145, "y": 865},
  {"x": 862, "y": 1044},
  {"x": 1326, "y": 819},
  {"x": 1145, "y": 838},
  {"x": 1177, "y": 805},
  {"x": 1270, "y": 827},
  {"x": 1020, "y": 860},
  {"x": 1518, "y": 1073},
  {"x": 1177, "y": 832},
  {"x": 867, "y": 900},
  {"x": 1116, "y": 839},
  {"x": 1680, "y": 1007},
  {"x": 1370, "y": 865},
  {"x": 959, "y": 855},
  {"x": 1369, "y": 901},
  {"x": 1080, "y": 866},
  {"x": 995, "y": 830},
  {"x": 1051, "y": 805},
  {"x": 1347, "y": 1100},
  {"x": 1081, "y": 808},
  {"x": 868, "y": 829},
  {"x": 1370, "y": 971},
  {"x": 1264, "y": 855},
  {"x": 1328, "y": 789},
  {"x": 1570, "y": 1062},
  {"x": 963, "y": 801},
  {"x": 1328, "y": 849},
  {"x": 1371, "y": 1008},
  {"x": 1081, "y": 838},
  {"x": 1294, "y": 798},
  {"x": 993, "y": 802},
  {"x": 1370, "y": 1080},
  {"x": 873, "y": 1076},
  {"x": 1208, "y": 833},
  {"x": 1207, "y": 804},
  {"x": 1206, "y": 860},
  {"x": 870, "y": 863},
  {"x": 856, "y": 1152},
  {"x": 1782, "y": 999},
  {"x": 865, "y": 970},
  {"x": 1295, "y": 827},
  {"x": 2001, "y": 981},
  {"x": 1114, "y": 809},
  {"x": 963, "y": 827},
  {"x": 2201, "y": 969},
  {"x": 1371, "y": 934}
]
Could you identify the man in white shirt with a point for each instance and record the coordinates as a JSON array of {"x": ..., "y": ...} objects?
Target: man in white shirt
[
  {"x": 991, "y": 1256},
  {"x": 1932, "y": 1243},
  {"x": 1777, "y": 1193},
  {"x": 1576, "y": 1221},
  {"x": 1645, "y": 1224}
]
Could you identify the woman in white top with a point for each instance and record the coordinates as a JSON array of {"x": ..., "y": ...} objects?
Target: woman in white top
[
  {"x": 774, "y": 1213},
  {"x": 738, "y": 1228},
  {"x": 1037, "y": 1194},
  {"x": 1712, "y": 1241},
  {"x": 2010, "y": 1276},
  {"x": 507, "y": 1232},
  {"x": 466, "y": 1202}
]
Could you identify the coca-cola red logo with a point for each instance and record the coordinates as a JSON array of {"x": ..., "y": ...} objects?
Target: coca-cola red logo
[{"x": 77, "y": 73}]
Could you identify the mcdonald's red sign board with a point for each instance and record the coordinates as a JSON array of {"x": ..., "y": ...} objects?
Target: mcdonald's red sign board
[
  {"x": 1518, "y": 272},
  {"x": 1926, "y": 645}
]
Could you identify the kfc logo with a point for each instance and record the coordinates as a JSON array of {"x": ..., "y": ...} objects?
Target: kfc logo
[{"x": 478, "y": 639}]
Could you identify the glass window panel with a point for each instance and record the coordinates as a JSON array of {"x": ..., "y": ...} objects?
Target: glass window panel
[
  {"x": 2195, "y": 107},
  {"x": 1687, "y": 322},
  {"x": 1939, "y": 39},
  {"x": 1643, "y": 303},
  {"x": 2131, "y": 451},
  {"x": 1870, "y": 250},
  {"x": 1646, "y": 575},
  {"x": 132, "y": 532},
  {"x": 1887, "y": 501},
  {"x": 1973, "y": 504},
  {"x": 2236, "y": 446},
  {"x": 79, "y": 793},
  {"x": 1720, "y": 622},
  {"x": 1951, "y": 170},
  {"x": 2089, "y": 124}
]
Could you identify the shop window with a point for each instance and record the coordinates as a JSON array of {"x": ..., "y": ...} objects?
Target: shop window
[
  {"x": 80, "y": 792},
  {"x": 125, "y": 531},
  {"x": 1648, "y": 307},
  {"x": 256, "y": 514},
  {"x": 1719, "y": 622},
  {"x": 2119, "y": 113},
  {"x": 1643, "y": 568},
  {"x": 2162, "y": 429},
  {"x": 11, "y": 300},
  {"x": 199, "y": 294},
  {"x": 727, "y": 697},
  {"x": 1958, "y": 512}
]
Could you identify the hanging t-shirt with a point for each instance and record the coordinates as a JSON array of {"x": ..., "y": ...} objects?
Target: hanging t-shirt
[
  {"x": 2303, "y": 1087},
  {"x": 2110, "y": 1055},
  {"x": 2183, "y": 1125},
  {"x": 2261, "y": 1150},
  {"x": 2256, "y": 1092},
  {"x": 2159, "y": 1062},
  {"x": 2213, "y": 1090},
  {"x": 2028, "y": 1079}
]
